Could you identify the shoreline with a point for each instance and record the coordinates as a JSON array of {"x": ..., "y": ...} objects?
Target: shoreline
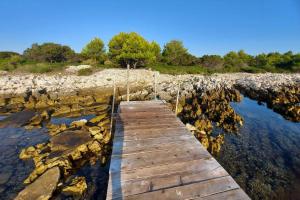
[{"x": 20, "y": 84}]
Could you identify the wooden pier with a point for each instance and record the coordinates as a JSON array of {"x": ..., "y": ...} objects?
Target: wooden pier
[{"x": 155, "y": 157}]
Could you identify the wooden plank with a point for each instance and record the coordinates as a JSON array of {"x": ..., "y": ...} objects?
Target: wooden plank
[
  {"x": 160, "y": 122},
  {"x": 169, "y": 168},
  {"x": 189, "y": 191},
  {"x": 120, "y": 127},
  {"x": 150, "y": 159},
  {"x": 237, "y": 194},
  {"x": 153, "y": 144},
  {"x": 138, "y": 186},
  {"x": 149, "y": 114},
  {"x": 137, "y": 148},
  {"x": 147, "y": 134},
  {"x": 123, "y": 103},
  {"x": 145, "y": 118}
]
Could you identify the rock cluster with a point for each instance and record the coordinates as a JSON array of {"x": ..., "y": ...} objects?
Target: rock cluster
[
  {"x": 70, "y": 148},
  {"x": 284, "y": 100},
  {"x": 203, "y": 109}
]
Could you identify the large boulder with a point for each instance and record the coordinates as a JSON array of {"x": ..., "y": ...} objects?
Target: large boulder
[{"x": 42, "y": 188}]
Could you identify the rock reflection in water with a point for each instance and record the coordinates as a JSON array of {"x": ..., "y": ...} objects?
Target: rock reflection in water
[{"x": 204, "y": 110}]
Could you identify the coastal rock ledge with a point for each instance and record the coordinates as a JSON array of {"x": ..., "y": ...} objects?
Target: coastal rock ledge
[{"x": 43, "y": 187}]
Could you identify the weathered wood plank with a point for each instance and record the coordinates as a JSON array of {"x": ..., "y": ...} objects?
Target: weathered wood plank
[
  {"x": 163, "y": 145},
  {"x": 153, "y": 130},
  {"x": 139, "y": 186},
  {"x": 237, "y": 194},
  {"x": 120, "y": 127},
  {"x": 190, "y": 191},
  {"x": 149, "y": 159},
  {"x": 147, "y": 134}
]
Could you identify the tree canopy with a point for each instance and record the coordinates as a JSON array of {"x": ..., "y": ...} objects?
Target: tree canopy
[
  {"x": 49, "y": 52},
  {"x": 131, "y": 49},
  {"x": 174, "y": 53},
  {"x": 94, "y": 50}
]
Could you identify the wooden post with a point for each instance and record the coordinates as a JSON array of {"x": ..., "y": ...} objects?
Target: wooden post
[
  {"x": 113, "y": 106},
  {"x": 128, "y": 66},
  {"x": 177, "y": 99},
  {"x": 155, "y": 81}
]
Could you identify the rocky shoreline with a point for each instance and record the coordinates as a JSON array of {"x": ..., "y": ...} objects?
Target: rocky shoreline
[
  {"x": 31, "y": 101},
  {"x": 20, "y": 84},
  {"x": 280, "y": 91}
]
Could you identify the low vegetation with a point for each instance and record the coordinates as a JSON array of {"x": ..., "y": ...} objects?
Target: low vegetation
[{"x": 132, "y": 50}]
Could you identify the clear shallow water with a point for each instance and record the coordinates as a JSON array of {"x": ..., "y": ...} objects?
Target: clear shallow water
[
  {"x": 14, "y": 171},
  {"x": 264, "y": 156}
]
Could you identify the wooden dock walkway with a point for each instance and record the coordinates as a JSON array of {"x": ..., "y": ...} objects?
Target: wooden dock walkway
[{"x": 155, "y": 157}]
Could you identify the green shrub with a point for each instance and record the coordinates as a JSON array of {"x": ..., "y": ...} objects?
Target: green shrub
[
  {"x": 85, "y": 72},
  {"x": 41, "y": 67}
]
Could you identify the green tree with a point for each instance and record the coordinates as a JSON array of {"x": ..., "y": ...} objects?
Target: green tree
[
  {"x": 7, "y": 54},
  {"x": 49, "y": 52},
  {"x": 261, "y": 60},
  {"x": 174, "y": 53},
  {"x": 156, "y": 49},
  {"x": 236, "y": 60},
  {"x": 132, "y": 50},
  {"x": 212, "y": 61},
  {"x": 94, "y": 50}
]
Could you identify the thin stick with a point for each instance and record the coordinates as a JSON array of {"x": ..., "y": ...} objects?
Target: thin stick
[
  {"x": 113, "y": 107},
  {"x": 128, "y": 82},
  {"x": 155, "y": 90},
  {"x": 177, "y": 99}
]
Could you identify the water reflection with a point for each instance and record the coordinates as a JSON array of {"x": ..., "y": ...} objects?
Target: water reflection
[{"x": 13, "y": 170}]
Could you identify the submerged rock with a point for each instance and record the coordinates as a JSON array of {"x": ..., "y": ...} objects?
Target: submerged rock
[
  {"x": 98, "y": 118},
  {"x": 76, "y": 188},
  {"x": 42, "y": 188},
  {"x": 54, "y": 129},
  {"x": 69, "y": 140},
  {"x": 17, "y": 119}
]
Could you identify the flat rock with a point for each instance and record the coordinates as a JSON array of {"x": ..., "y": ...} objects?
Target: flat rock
[
  {"x": 66, "y": 142},
  {"x": 42, "y": 188},
  {"x": 17, "y": 119}
]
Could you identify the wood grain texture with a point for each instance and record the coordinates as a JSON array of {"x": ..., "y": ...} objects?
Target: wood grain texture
[{"x": 155, "y": 157}]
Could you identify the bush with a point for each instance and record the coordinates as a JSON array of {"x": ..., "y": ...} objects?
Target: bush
[
  {"x": 49, "y": 52},
  {"x": 41, "y": 67},
  {"x": 10, "y": 63},
  {"x": 7, "y": 54},
  {"x": 85, "y": 72}
]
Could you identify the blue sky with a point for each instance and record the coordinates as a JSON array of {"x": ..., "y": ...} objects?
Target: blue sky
[{"x": 205, "y": 27}]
